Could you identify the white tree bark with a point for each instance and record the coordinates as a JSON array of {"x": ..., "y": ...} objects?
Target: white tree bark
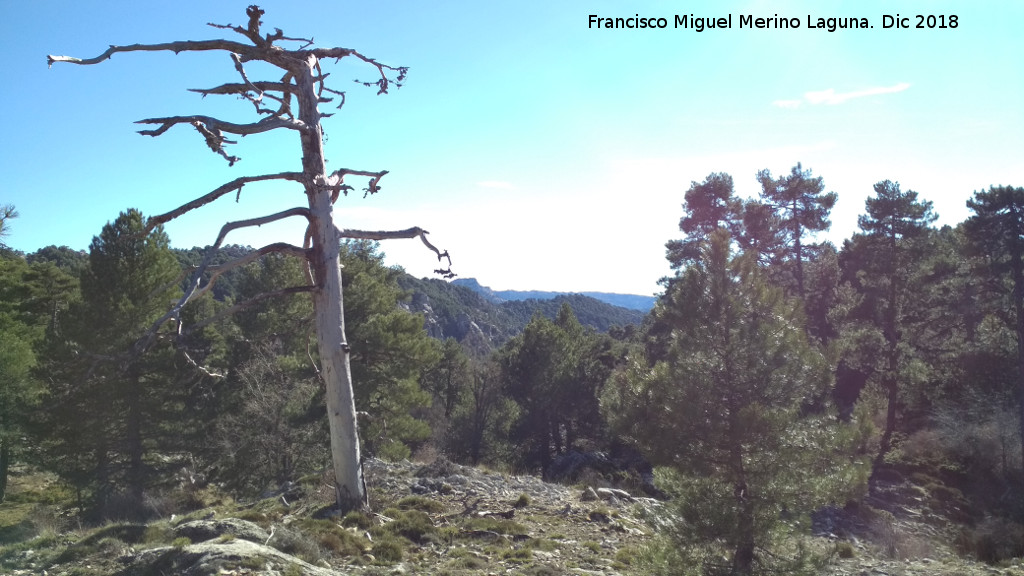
[{"x": 328, "y": 300}]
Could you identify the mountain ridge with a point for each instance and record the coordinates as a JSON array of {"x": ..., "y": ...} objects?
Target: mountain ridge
[
  {"x": 458, "y": 311},
  {"x": 630, "y": 301}
]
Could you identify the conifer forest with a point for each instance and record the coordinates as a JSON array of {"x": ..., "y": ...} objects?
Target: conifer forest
[{"x": 777, "y": 375}]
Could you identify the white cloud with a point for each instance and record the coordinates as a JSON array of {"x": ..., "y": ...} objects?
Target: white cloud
[
  {"x": 501, "y": 185},
  {"x": 831, "y": 97}
]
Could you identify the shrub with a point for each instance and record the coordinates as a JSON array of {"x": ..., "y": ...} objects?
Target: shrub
[
  {"x": 414, "y": 525},
  {"x": 388, "y": 549},
  {"x": 356, "y": 519},
  {"x": 520, "y": 555},
  {"x": 499, "y": 525},
  {"x": 992, "y": 540},
  {"x": 420, "y": 503},
  {"x": 332, "y": 537}
]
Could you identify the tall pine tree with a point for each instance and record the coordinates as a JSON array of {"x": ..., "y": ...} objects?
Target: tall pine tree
[
  {"x": 112, "y": 408},
  {"x": 885, "y": 267},
  {"x": 996, "y": 231},
  {"x": 727, "y": 407}
]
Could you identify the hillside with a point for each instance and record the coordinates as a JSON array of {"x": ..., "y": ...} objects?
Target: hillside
[
  {"x": 456, "y": 311},
  {"x": 630, "y": 301},
  {"x": 439, "y": 518},
  {"x": 460, "y": 308}
]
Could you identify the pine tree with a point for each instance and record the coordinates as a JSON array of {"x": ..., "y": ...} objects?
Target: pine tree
[
  {"x": 7, "y": 213},
  {"x": 893, "y": 231},
  {"x": 996, "y": 231},
  {"x": 801, "y": 208},
  {"x": 32, "y": 298},
  {"x": 18, "y": 390},
  {"x": 449, "y": 380},
  {"x": 481, "y": 423},
  {"x": 390, "y": 353},
  {"x": 111, "y": 408},
  {"x": 727, "y": 408},
  {"x": 708, "y": 205}
]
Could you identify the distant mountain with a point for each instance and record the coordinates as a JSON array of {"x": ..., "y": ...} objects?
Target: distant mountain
[
  {"x": 631, "y": 301},
  {"x": 472, "y": 314},
  {"x": 457, "y": 310}
]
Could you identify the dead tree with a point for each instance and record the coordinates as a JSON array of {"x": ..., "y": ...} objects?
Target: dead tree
[{"x": 290, "y": 103}]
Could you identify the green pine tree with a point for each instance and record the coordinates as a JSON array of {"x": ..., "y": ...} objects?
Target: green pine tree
[
  {"x": 885, "y": 264},
  {"x": 996, "y": 231},
  {"x": 112, "y": 408},
  {"x": 727, "y": 409}
]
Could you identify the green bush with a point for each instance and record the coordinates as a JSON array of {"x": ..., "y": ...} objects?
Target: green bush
[
  {"x": 499, "y": 525},
  {"x": 414, "y": 525},
  {"x": 420, "y": 503},
  {"x": 356, "y": 519},
  {"x": 388, "y": 549},
  {"x": 332, "y": 537},
  {"x": 844, "y": 550},
  {"x": 517, "y": 556},
  {"x": 522, "y": 502}
]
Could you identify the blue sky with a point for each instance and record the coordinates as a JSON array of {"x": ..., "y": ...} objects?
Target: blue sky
[{"x": 541, "y": 153}]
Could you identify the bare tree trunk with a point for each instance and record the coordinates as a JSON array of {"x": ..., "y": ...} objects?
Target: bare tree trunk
[{"x": 328, "y": 303}]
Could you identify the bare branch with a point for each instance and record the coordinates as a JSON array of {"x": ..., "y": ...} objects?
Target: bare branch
[
  {"x": 297, "y": 211},
  {"x": 143, "y": 343},
  {"x": 242, "y": 305},
  {"x": 309, "y": 355},
  {"x": 252, "y": 32},
  {"x": 242, "y": 88},
  {"x": 383, "y": 83},
  {"x": 286, "y": 106},
  {"x": 211, "y": 129},
  {"x": 235, "y": 184},
  {"x": 336, "y": 182},
  {"x": 206, "y": 371},
  {"x": 176, "y": 47},
  {"x": 263, "y": 125},
  {"x": 216, "y": 141},
  {"x": 241, "y": 70},
  {"x": 413, "y": 232},
  {"x": 279, "y": 35},
  {"x": 254, "y": 13},
  {"x": 338, "y": 92},
  {"x": 220, "y": 269},
  {"x": 244, "y": 91}
]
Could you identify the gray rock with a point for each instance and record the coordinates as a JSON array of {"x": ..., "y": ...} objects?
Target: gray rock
[
  {"x": 210, "y": 558},
  {"x": 203, "y": 530},
  {"x": 613, "y": 494}
]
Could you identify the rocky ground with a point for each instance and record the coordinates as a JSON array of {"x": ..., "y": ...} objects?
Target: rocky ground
[{"x": 448, "y": 519}]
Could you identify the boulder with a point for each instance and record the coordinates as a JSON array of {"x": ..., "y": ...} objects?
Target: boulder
[
  {"x": 214, "y": 558},
  {"x": 613, "y": 494},
  {"x": 203, "y": 530}
]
